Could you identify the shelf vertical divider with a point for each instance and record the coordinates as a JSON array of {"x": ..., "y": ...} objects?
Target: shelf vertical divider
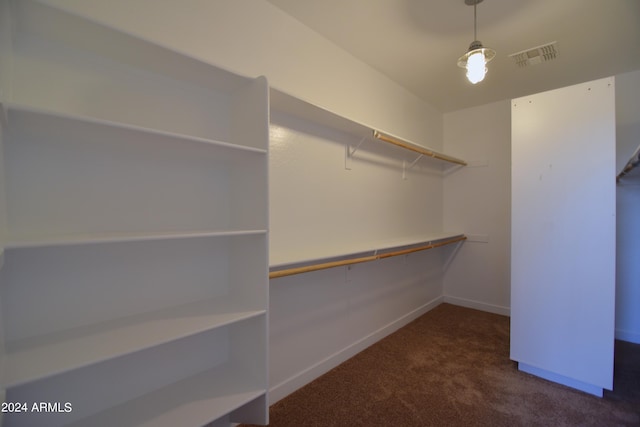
[{"x": 250, "y": 127}]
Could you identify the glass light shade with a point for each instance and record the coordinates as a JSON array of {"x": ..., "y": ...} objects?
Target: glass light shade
[
  {"x": 476, "y": 67},
  {"x": 475, "y": 61}
]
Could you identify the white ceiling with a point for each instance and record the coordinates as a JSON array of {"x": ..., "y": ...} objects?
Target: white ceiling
[{"x": 417, "y": 42}]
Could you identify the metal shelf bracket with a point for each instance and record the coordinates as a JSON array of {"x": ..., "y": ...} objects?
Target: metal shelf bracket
[{"x": 349, "y": 152}]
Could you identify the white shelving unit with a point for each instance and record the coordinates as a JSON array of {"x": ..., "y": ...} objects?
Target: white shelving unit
[
  {"x": 291, "y": 112},
  {"x": 292, "y": 105},
  {"x": 133, "y": 229},
  {"x": 563, "y": 285},
  {"x": 380, "y": 252},
  {"x": 305, "y": 259}
]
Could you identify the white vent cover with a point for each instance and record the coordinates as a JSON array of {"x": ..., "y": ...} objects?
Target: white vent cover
[{"x": 535, "y": 55}]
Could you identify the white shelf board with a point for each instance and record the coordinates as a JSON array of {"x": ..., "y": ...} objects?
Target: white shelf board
[
  {"x": 194, "y": 401},
  {"x": 56, "y": 23},
  {"x": 406, "y": 243},
  {"x": 315, "y": 256},
  {"x": 40, "y": 357},
  {"x": 18, "y": 242},
  {"x": 291, "y": 105},
  {"x": 43, "y": 121}
]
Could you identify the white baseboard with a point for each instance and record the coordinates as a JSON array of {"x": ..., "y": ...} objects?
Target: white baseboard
[
  {"x": 478, "y": 305},
  {"x": 304, "y": 377},
  {"x": 630, "y": 336}
]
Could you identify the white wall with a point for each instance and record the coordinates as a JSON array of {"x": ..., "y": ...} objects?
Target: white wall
[
  {"x": 253, "y": 37},
  {"x": 628, "y": 209},
  {"x": 627, "y": 116},
  {"x": 627, "y": 262},
  {"x": 477, "y": 200},
  {"x": 479, "y": 274},
  {"x": 320, "y": 208},
  {"x": 319, "y": 319}
]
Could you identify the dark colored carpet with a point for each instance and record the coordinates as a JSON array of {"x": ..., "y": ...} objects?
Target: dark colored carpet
[{"x": 451, "y": 367}]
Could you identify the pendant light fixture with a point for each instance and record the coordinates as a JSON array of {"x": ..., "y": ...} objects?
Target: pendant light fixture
[{"x": 476, "y": 58}]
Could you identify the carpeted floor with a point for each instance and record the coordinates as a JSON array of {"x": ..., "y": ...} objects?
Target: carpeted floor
[{"x": 451, "y": 367}]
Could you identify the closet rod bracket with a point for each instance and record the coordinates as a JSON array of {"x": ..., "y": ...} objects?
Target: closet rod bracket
[
  {"x": 406, "y": 167},
  {"x": 349, "y": 152}
]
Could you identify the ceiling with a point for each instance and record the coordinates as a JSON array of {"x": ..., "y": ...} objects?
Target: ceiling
[{"x": 417, "y": 43}]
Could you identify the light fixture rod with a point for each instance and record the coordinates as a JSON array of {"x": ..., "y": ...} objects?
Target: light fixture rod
[
  {"x": 475, "y": 22},
  {"x": 474, "y": 3}
]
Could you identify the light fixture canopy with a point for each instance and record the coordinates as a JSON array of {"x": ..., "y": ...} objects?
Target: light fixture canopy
[{"x": 477, "y": 56}]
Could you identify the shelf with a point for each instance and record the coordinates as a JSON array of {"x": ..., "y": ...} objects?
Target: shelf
[
  {"x": 383, "y": 250},
  {"x": 57, "y": 25},
  {"x": 113, "y": 76},
  {"x": 294, "y": 106},
  {"x": 40, "y": 121},
  {"x": 37, "y": 358},
  {"x": 194, "y": 401},
  {"x": 318, "y": 254},
  {"x": 213, "y": 365},
  {"x": 102, "y": 238},
  {"x": 134, "y": 180}
]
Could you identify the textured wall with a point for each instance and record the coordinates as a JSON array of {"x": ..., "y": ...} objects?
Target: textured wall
[{"x": 477, "y": 200}]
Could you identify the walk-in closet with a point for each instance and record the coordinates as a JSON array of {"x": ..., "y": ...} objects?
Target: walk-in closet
[{"x": 208, "y": 206}]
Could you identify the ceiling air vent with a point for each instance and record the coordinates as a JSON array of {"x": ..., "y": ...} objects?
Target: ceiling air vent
[{"x": 535, "y": 55}]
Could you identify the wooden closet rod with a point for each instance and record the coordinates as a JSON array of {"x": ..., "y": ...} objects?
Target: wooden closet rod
[
  {"x": 350, "y": 261},
  {"x": 391, "y": 140}
]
